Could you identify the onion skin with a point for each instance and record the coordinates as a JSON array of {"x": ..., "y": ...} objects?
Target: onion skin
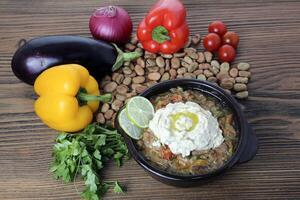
[{"x": 112, "y": 24}]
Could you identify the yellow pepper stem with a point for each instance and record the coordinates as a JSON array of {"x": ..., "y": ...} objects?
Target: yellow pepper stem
[{"x": 83, "y": 97}]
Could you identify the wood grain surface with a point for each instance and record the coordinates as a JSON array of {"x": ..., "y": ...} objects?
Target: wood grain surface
[{"x": 270, "y": 41}]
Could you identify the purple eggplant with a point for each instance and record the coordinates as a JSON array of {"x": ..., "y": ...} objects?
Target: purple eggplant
[{"x": 39, "y": 54}]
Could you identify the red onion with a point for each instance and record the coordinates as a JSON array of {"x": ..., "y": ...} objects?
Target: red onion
[{"x": 112, "y": 24}]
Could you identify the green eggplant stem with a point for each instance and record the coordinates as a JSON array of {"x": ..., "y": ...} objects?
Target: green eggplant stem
[{"x": 123, "y": 57}]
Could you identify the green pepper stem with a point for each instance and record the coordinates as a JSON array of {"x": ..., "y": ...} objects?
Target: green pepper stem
[
  {"x": 123, "y": 57},
  {"x": 160, "y": 34},
  {"x": 82, "y": 96}
]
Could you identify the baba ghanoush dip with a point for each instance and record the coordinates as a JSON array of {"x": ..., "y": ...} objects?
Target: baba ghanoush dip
[{"x": 190, "y": 133}]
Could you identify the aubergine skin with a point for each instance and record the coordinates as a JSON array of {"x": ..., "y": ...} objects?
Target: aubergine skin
[{"x": 39, "y": 54}]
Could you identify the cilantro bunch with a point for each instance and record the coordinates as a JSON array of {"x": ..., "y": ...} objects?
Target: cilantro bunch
[{"x": 85, "y": 153}]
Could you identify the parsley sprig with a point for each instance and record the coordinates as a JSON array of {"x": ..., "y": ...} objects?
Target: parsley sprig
[{"x": 85, "y": 153}]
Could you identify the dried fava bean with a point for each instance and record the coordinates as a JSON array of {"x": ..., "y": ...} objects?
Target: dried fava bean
[
  {"x": 189, "y": 75},
  {"x": 131, "y": 66},
  {"x": 168, "y": 56},
  {"x": 160, "y": 62},
  {"x": 238, "y": 87},
  {"x": 127, "y": 81},
  {"x": 131, "y": 94},
  {"x": 100, "y": 118},
  {"x": 208, "y": 56},
  {"x": 134, "y": 39},
  {"x": 189, "y": 50},
  {"x": 153, "y": 69},
  {"x": 243, "y": 66},
  {"x": 108, "y": 114},
  {"x": 244, "y": 74},
  {"x": 214, "y": 70},
  {"x": 141, "y": 62},
  {"x": 104, "y": 107},
  {"x": 197, "y": 72},
  {"x": 161, "y": 70},
  {"x": 184, "y": 64},
  {"x": 141, "y": 89},
  {"x": 203, "y": 66},
  {"x": 180, "y": 76},
  {"x": 165, "y": 76},
  {"x": 201, "y": 58},
  {"x": 173, "y": 73},
  {"x": 134, "y": 86},
  {"x": 120, "y": 78},
  {"x": 122, "y": 89},
  {"x": 225, "y": 67},
  {"x": 187, "y": 59},
  {"x": 110, "y": 87},
  {"x": 212, "y": 79},
  {"x": 139, "y": 45},
  {"x": 226, "y": 84},
  {"x": 228, "y": 91},
  {"x": 139, "y": 50},
  {"x": 242, "y": 95},
  {"x": 221, "y": 75},
  {"x": 116, "y": 104},
  {"x": 130, "y": 46},
  {"x": 192, "y": 67},
  {"x": 234, "y": 72},
  {"x": 208, "y": 73},
  {"x": 194, "y": 56},
  {"x": 150, "y": 63},
  {"x": 126, "y": 64},
  {"x": 150, "y": 83},
  {"x": 133, "y": 74},
  {"x": 196, "y": 39},
  {"x": 179, "y": 55},
  {"x": 231, "y": 79},
  {"x": 120, "y": 97},
  {"x": 127, "y": 70},
  {"x": 149, "y": 55},
  {"x": 139, "y": 70},
  {"x": 215, "y": 63},
  {"x": 167, "y": 67},
  {"x": 154, "y": 76},
  {"x": 138, "y": 79},
  {"x": 114, "y": 76},
  {"x": 241, "y": 80},
  {"x": 181, "y": 70},
  {"x": 201, "y": 77},
  {"x": 175, "y": 63}
]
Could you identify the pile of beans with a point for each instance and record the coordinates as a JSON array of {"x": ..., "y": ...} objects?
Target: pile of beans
[{"x": 135, "y": 77}]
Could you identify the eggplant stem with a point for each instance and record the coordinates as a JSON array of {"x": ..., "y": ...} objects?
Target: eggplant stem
[{"x": 124, "y": 57}]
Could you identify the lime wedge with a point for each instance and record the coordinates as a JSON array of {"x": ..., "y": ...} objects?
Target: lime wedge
[
  {"x": 140, "y": 111},
  {"x": 129, "y": 128}
]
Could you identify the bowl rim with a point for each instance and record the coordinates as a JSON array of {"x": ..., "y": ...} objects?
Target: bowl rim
[{"x": 139, "y": 158}]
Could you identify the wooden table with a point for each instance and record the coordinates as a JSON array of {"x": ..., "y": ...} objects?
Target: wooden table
[{"x": 270, "y": 41}]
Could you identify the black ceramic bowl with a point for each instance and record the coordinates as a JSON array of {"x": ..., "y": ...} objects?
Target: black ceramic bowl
[{"x": 246, "y": 148}]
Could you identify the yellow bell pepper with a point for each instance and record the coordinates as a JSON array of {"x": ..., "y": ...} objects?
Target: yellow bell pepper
[{"x": 68, "y": 96}]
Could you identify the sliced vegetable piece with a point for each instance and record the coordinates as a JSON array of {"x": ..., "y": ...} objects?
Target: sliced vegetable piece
[
  {"x": 129, "y": 128},
  {"x": 140, "y": 111}
]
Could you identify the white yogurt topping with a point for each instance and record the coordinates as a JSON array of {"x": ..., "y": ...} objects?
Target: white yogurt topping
[{"x": 186, "y": 127}]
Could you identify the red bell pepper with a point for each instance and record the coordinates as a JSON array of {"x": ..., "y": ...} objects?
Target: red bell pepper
[{"x": 164, "y": 29}]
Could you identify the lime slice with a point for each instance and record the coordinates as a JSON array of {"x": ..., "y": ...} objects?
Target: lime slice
[
  {"x": 129, "y": 128},
  {"x": 140, "y": 111}
]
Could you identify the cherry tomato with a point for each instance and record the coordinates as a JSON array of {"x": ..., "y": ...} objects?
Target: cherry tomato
[
  {"x": 212, "y": 42},
  {"x": 217, "y": 27},
  {"x": 226, "y": 53},
  {"x": 231, "y": 38}
]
